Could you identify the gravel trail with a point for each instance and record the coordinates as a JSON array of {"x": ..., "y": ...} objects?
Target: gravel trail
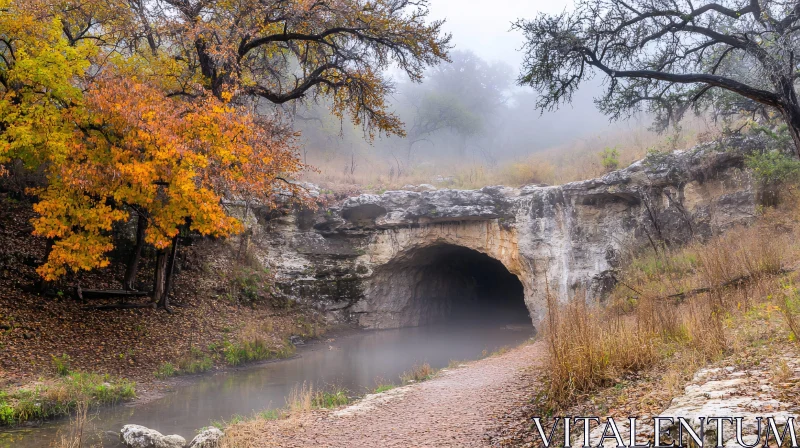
[{"x": 458, "y": 408}]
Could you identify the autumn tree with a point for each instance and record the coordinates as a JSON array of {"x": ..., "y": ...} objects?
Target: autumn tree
[
  {"x": 37, "y": 67},
  {"x": 669, "y": 57},
  {"x": 169, "y": 160},
  {"x": 167, "y": 109}
]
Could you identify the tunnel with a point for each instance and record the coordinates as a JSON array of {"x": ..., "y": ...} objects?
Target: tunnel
[{"x": 443, "y": 282}]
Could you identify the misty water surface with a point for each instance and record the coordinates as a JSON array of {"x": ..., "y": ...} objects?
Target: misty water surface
[{"x": 356, "y": 361}]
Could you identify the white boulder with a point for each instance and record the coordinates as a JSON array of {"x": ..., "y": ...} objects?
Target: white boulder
[
  {"x": 208, "y": 438},
  {"x": 137, "y": 436}
]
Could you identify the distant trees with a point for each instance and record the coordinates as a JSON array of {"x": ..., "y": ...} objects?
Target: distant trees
[
  {"x": 457, "y": 109},
  {"x": 732, "y": 55},
  {"x": 162, "y": 109},
  {"x": 461, "y": 97}
]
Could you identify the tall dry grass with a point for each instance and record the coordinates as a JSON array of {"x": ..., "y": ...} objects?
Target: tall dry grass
[
  {"x": 789, "y": 304},
  {"x": 373, "y": 171},
  {"x": 76, "y": 432},
  {"x": 269, "y": 427},
  {"x": 588, "y": 349},
  {"x": 682, "y": 303}
]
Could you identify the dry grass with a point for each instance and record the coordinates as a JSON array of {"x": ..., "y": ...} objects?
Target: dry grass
[
  {"x": 578, "y": 160},
  {"x": 263, "y": 432},
  {"x": 419, "y": 372},
  {"x": 693, "y": 304},
  {"x": 300, "y": 399},
  {"x": 304, "y": 398},
  {"x": 789, "y": 304},
  {"x": 76, "y": 433},
  {"x": 275, "y": 424},
  {"x": 587, "y": 349}
]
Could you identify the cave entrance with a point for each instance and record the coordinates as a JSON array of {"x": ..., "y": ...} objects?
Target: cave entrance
[{"x": 445, "y": 282}]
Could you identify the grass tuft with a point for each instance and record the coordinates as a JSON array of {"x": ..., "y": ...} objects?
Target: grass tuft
[
  {"x": 419, "y": 372},
  {"x": 62, "y": 396},
  {"x": 304, "y": 398}
]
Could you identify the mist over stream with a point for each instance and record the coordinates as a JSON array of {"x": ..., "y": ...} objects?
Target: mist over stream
[{"x": 358, "y": 361}]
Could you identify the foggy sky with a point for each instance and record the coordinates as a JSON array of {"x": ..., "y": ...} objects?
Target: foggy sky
[{"x": 484, "y": 27}]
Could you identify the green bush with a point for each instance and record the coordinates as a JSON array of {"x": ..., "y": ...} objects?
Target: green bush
[
  {"x": 780, "y": 134},
  {"x": 383, "y": 388},
  {"x": 248, "y": 285},
  {"x": 330, "y": 399},
  {"x": 774, "y": 167},
  {"x": 272, "y": 414},
  {"x": 610, "y": 159},
  {"x": 194, "y": 362},
  {"x": 6, "y": 414},
  {"x": 655, "y": 157},
  {"x": 165, "y": 370}
]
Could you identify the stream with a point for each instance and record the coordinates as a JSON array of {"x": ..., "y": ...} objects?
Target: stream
[{"x": 357, "y": 361}]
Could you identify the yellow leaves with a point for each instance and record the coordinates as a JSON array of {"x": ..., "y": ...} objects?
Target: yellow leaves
[
  {"x": 38, "y": 100},
  {"x": 79, "y": 251},
  {"x": 172, "y": 157},
  {"x": 80, "y": 227}
]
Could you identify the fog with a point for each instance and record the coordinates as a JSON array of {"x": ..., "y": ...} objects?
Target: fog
[{"x": 470, "y": 111}]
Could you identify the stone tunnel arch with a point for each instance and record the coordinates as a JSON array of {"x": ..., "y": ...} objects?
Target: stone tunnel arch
[{"x": 444, "y": 271}]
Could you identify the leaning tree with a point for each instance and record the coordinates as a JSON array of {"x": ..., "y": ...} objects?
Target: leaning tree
[{"x": 669, "y": 56}]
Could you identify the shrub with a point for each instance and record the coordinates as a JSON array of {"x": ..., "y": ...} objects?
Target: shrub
[
  {"x": 253, "y": 347},
  {"x": 655, "y": 157},
  {"x": 774, "y": 167},
  {"x": 271, "y": 414},
  {"x": 194, "y": 362},
  {"x": 383, "y": 388},
  {"x": 6, "y": 414},
  {"x": 304, "y": 398},
  {"x": 61, "y": 364},
  {"x": 248, "y": 285},
  {"x": 330, "y": 399},
  {"x": 609, "y": 158},
  {"x": 165, "y": 370}
]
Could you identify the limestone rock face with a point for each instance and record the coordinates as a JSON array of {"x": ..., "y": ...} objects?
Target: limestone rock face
[
  {"x": 208, "y": 438},
  {"x": 367, "y": 258},
  {"x": 136, "y": 436}
]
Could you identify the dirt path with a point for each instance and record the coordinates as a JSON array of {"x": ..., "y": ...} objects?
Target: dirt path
[{"x": 456, "y": 409}]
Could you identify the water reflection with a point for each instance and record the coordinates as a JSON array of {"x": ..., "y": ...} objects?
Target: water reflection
[{"x": 356, "y": 361}]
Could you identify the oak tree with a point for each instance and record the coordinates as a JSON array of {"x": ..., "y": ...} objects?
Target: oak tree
[{"x": 668, "y": 56}]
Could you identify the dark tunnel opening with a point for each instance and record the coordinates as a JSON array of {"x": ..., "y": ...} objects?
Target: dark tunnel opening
[{"x": 446, "y": 283}]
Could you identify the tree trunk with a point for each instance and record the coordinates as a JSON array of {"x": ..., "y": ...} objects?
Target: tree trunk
[
  {"x": 170, "y": 268},
  {"x": 41, "y": 284},
  {"x": 129, "y": 282},
  {"x": 159, "y": 278},
  {"x": 792, "y": 116}
]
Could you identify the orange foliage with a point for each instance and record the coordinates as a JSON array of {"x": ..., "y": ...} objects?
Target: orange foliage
[
  {"x": 171, "y": 157},
  {"x": 168, "y": 108}
]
